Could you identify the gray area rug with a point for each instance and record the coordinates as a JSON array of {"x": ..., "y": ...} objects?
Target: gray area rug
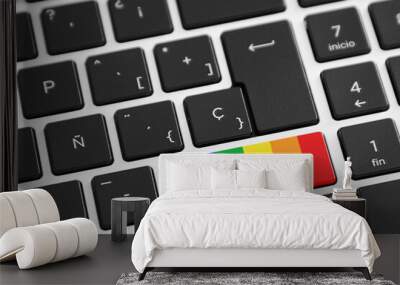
[{"x": 269, "y": 278}]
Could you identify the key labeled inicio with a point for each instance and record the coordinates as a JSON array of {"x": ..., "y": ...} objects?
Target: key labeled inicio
[{"x": 337, "y": 34}]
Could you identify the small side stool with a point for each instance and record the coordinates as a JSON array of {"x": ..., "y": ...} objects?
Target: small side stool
[{"x": 119, "y": 209}]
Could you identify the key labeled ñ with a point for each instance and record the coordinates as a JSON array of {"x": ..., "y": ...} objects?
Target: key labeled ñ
[
  {"x": 118, "y": 76},
  {"x": 187, "y": 63},
  {"x": 354, "y": 90},
  {"x": 374, "y": 148},
  {"x": 78, "y": 144},
  {"x": 337, "y": 34}
]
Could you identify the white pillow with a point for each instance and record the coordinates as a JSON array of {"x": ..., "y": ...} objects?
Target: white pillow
[
  {"x": 223, "y": 179},
  {"x": 251, "y": 178},
  {"x": 282, "y": 174},
  {"x": 181, "y": 178}
]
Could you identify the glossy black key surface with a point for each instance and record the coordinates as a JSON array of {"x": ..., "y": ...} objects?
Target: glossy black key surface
[
  {"x": 374, "y": 148},
  {"x": 308, "y": 3},
  {"x": 354, "y": 90},
  {"x": 202, "y": 13},
  {"x": 118, "y": 76},
  {"x": 187, "y": 63},
  {"x": 136, "y": 19},
  {"x": 29, "y": 167},
  {"x": 386, "y": 19},
  {"x": 217, "y": 117},
  {"x": 383, "y": 211},
  {"x": 148, "y": 130},
  {"x": 26, "y": 45},
  {"x": 337, "y": 34},
  {"x": 49, "y": 89},
  {"x": 72, "y": 27},
  {"x": 78, "y": 144},
  {"x": 393, "y": 65},
  {"x": 70, "y": 199},
  {"x": 136, "y": 182},
  {"x": 265, "y": 60}
]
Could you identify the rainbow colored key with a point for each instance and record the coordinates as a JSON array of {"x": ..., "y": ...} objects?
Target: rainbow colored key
[{"x": 314, "y": 143}]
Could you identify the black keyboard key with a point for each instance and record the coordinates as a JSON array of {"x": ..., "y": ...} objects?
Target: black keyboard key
[
  {"x": 136, "y": 19},
  {"x": 78, "y": 144},
  {"x": 202, "y": 13},
  {"x": 70, "y": 199},
  {"x": 337, "y": 34},
  {"x": 386, "y": 19},
  {"x": 26, "y": 45},
  {"x": 383, "y": 209},
  {"x": 119, "y": 76},
  {"x": 187, "y": 63},
  {"x": 393, "y": 65},
  {"x": 217, "y": 117},
  {"x": 354, "y": 90},
  {"x": 29, "y": 167},
  {"x": 136, "y": 182},
  {"x": 148, "y": 130},
  {"x": 374, "y": 148},
  {"x": 49, "y": 89},
  {"x": 308, "y": 3},
  {"x": 72, "y": 27},
  {"x": 263, "y": 59}
]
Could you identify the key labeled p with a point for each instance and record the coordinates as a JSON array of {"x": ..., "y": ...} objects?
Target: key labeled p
[{"x": 48, "y": 85}]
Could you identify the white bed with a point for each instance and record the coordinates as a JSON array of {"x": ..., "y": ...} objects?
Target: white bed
[{"x": 249, "y": 227}]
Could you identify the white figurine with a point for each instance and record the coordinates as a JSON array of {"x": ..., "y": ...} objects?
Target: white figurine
[{"x": 347, "y": 174}]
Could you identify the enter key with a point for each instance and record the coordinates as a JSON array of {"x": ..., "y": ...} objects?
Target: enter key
[{"x": 265, "y": 61}]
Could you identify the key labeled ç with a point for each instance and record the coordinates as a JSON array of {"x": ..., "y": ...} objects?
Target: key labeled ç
[
  {"x": 217, "y": 117},
  {"x": 337, "y": 34}
]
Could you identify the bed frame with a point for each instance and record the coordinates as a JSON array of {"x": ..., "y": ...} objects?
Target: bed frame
[{"x": 242, "y": 258}]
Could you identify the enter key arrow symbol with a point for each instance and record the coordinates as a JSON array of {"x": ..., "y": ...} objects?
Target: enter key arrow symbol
[
  {"x": 359, "y": 103},
  {"x": 253, "y": 47}
]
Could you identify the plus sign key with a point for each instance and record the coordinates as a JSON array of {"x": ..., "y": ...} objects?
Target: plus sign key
[
  {"x": 374, "y": 148},
  {"x": 187, "y": 63}
]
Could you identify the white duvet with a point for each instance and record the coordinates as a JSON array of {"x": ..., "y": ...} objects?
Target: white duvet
[{"x": 250, "y": 219}]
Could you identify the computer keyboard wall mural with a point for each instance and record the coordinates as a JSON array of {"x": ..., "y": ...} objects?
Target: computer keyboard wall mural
[{"x": 105, "y": 86}]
